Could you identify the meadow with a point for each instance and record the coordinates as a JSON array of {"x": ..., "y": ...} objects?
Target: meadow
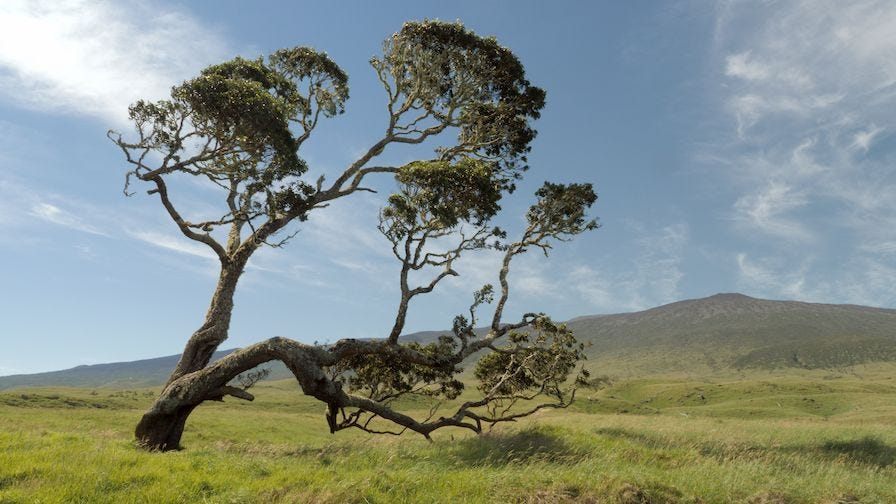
[{"x": 801, "y": 437}]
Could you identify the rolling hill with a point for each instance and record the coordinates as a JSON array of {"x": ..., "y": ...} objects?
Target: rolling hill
[
  {"x": 139, "y": 373},
  {"x": 737, "y": 332},
  {"x": 721, "y": 333}
]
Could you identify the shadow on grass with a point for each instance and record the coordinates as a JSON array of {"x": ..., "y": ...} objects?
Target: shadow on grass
[
  {"x": 525, "y": 446},
  {"x": 867, "y": 450},
  {"x": 619, "y": 433},
  {"x": 18, "y": 477}
]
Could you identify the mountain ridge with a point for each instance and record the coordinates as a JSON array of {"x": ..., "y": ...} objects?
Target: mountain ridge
[
  {"x": 725, "y": 331},
  {"x": 734, "y": 331}
]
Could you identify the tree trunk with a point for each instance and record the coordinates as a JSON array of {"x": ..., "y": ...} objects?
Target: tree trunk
[
  {"x": 202, "y": 345},
  {"x": 162, "y": 431}
]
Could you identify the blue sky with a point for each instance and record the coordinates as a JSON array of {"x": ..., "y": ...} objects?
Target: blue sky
[{"x": 735, "y": 146}]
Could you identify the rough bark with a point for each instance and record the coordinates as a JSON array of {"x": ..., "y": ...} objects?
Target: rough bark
[
  {"x": 214, "y": 330},
  {"x": 162, "y": 425},
  {"x": 163, "y": 432},
  {"x": 161, "y": 428}
]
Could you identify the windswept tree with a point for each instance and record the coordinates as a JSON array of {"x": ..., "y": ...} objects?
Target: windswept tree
[{"x": 241, "y": 125}]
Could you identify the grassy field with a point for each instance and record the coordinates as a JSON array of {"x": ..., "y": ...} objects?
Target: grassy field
[{"x": 816, "y": 437}]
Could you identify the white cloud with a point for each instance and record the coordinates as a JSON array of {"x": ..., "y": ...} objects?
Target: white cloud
[
  {"x": 766, "y": 280},
  {"x": 21, "y": 205},
  {"x": 52, "y": 213},
  {"x": 741, "y": 65},
  {"x": 534, "y": 282},
  {"x": 176, "y": 244},
  {"x": 860, "y": 280},
  {"x": 97, "y": 57},
  {"x": 652, "y": 277},
  {"x": 809, "y": 61},
  {"x": 347, "y": 230},
  {"x": 605, "y": 292},
  {"x": 349, "y": 264},
  {"x": 883, "y": 248},
  {"x": 6, "y": 370},
  {"x": 764, "y": 211},
  {"x": 809, "y": 88},
  {"x": 863, "y": 139}
]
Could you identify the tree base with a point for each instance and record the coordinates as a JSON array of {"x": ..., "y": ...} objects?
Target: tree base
[{"x": 159, "y": 432}]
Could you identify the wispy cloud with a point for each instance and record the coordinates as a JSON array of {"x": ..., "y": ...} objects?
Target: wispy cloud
[
  {"x": 174, "y": 243},
  {"x": 741, "y": 65},
  {"x": 863, "y": 139},
  {"x": 96, "y": 57},
  {"x": 809, "y": 88},
  {"x": 769, "y": 280},
  {"x": 651, "y": 278},
  {"x": 765, "y": 210},
  {"x": 346, "y": 235},
  {"x": 21, "y": 205},
  {"x": 862, "y": 280},
  {"x": 52, "y": 213}
]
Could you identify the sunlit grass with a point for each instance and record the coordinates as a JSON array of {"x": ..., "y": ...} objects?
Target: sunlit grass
[{"x": 758, "y": 439}]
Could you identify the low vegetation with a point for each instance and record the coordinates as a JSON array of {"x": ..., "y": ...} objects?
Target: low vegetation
[{"x": 764, "y": 438}]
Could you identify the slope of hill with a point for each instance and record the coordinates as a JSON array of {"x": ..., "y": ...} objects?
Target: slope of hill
[
  {"x": 721, "y": 333},
  {"x": 140, "y": 373},
  {"x": 733, "y": 332}
]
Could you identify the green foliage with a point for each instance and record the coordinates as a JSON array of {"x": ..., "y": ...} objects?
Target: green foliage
[
  {"x": 328, "y": 83},
  {"x": 248, "y": 102},
  {"x": 242, "y": 103},
  {"x": 234, "y": 123},
  {"x": 242, "y": 122},
  {"x": 537, "y": 360},
  {"x": 385, "y": 377},
  {"x": 437, "y": 195},
  {"x": 471, "y": 81},
  {"x": 561, "y": 208}
]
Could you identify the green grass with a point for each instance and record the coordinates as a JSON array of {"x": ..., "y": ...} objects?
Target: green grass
[{"x": 762, "y": 438}]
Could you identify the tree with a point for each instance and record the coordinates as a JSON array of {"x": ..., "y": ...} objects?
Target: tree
[{"x": 241, "y": 124}]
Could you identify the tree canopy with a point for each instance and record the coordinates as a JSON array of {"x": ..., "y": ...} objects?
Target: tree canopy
[{"x": 241, "y": 125}]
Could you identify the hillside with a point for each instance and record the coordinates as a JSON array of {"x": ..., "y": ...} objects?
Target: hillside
[
  {"x": 729, "y": 332},
  {"x": 139, "y": 373},
  {"x": 718, "y": 334}
]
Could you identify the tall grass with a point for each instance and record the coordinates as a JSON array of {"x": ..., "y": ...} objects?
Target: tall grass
[{"x": 752, "y": 440}]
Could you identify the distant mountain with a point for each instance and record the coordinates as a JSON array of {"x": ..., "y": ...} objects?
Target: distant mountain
[
  {"x": 734, "y": 331},
  {"x": 139, "y": 373},
  {"x": 725, "y": 332}
]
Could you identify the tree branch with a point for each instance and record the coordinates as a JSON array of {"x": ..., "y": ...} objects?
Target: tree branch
[
  {"x": 205, "y": 238},
  {"x": 218, "y": 394}
]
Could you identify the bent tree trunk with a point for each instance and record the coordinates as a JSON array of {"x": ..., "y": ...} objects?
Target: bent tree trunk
[
  {"x": 163, "y": 431},
  {"x": 163, "y": 424}
]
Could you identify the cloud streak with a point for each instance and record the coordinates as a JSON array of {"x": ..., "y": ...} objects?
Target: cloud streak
[
  {"x": 20, "y": 205},
  {"x": 52, "y": 213},
  {"x": 652, "y": 277},
  {"x": 767, "y": 280},
  {"x": 809, "y": 89},
  {"x": 175, "y": 244},
  {"x": 764, "y": 210}
]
